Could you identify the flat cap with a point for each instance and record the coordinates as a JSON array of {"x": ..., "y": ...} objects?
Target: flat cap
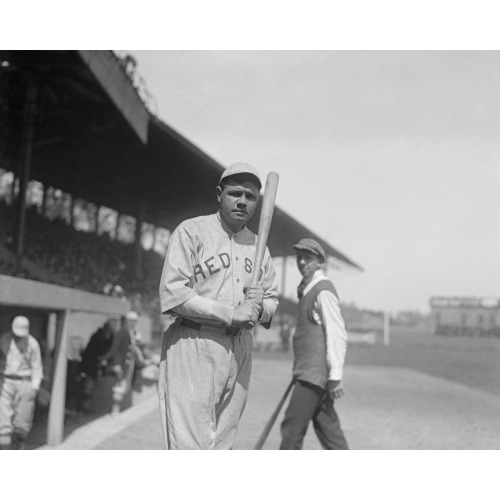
[
  {"x": 241, "y": 168},
  {"x": 310, "y": 245}
]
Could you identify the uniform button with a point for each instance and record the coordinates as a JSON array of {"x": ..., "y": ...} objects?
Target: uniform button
[
  {"x": 236, "y": 258},
  {"x": 239, "y": 303},
  {"x": 238, "y": 280}
]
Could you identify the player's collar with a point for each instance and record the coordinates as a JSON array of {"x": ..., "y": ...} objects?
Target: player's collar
[{"x": 317, "y": 277}]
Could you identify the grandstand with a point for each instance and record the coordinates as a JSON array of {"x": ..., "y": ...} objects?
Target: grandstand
[
  {"x": 466, "y": 316},
  {"x": 91, "y": 184}
]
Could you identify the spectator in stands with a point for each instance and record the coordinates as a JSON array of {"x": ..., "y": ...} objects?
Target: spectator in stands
[
  {"x": 90, "y": 366},
  {"x": 21, "y": 375},
  {"x": 56, "y": 252}
]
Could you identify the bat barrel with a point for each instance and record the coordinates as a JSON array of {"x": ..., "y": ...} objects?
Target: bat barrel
[{"x": 266, "y": 217}]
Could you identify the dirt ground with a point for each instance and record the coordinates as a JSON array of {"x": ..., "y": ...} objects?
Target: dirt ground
[{"x": 419, "y": 393}]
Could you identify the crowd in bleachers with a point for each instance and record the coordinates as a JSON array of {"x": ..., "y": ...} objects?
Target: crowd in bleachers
[{"x": 82, "y": 260}]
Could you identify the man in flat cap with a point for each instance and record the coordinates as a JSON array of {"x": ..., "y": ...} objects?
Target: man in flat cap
[
  {"x": 206, "y": 353},
  {"x": 319, "y": 347},
  {"x": 21, "y": 375}
]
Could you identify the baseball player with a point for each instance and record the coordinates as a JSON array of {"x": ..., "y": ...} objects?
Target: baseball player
[
  {"x": 205, "y": 284},
  {"x": 21, "y": 375},
  {"x": 319, "y": 347}
]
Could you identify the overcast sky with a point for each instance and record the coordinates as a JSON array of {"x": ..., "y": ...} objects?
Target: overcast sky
[{"x": 392, "y": 157}]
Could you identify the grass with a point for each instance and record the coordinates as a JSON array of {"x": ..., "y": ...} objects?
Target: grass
[{"x": 472, "y": 362}]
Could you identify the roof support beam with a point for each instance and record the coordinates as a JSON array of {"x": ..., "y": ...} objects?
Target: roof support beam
[
  {"x": 108, "y": 72},
  {"x": 138, "y": 250},
  {"x": 25, "y": 162}
]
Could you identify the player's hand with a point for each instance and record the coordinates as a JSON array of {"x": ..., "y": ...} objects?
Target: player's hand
[
  {"x": 248, "y": 312},
  {"x": 256, "y": 294},
  {"x": 31, "y": 393},
  {"x": 335, "y": 388},
  {"x": 43, "y": 397}
]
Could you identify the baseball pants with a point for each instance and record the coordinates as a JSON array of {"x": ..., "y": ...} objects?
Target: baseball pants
[
  {"x": 17, "y": 407},
  {"x": 309, "y": 402},
  {"x": 203, "y": 387}
]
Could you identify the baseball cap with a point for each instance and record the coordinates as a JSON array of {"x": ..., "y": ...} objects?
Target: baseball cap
[
  {"x": 132, "y": 315},
  {"x": 310, "y": 245},
  {"x": 20, "y": 326},
  {"x": 241, "y": 168}
]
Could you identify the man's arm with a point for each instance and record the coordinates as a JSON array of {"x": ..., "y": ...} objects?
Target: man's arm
[
  {"x": 336, "y": 339},
  {"x": 177, "y": 275}
]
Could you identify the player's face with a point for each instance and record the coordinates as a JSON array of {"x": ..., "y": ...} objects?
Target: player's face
[
  {"x": 308, "y": 263},
  {"x": 238, "y": 201},
  {"x": 132, "y": 323}
]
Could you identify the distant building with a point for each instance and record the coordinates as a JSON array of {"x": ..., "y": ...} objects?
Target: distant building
[{"x": 466, "y": 316}]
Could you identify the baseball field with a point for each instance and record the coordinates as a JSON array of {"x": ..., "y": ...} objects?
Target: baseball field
[{"x": 420, "y": 392}]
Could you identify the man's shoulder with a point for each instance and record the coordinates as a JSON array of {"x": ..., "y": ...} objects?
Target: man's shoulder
[
  {"x": 196, "y": 222},
  {"x": 33, "y": 341},
  {"x": 324, "y": 284}
]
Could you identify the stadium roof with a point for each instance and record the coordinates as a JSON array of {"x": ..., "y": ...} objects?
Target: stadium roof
[{"x": 95, "y": 138}]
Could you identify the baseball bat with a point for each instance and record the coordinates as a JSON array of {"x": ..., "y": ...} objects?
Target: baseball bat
[
  {"x": 266, "y": 216},
  {"x": 274, "y": 416}
]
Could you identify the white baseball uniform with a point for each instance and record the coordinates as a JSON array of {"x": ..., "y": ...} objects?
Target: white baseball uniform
[{"x": 205, "y": 373}]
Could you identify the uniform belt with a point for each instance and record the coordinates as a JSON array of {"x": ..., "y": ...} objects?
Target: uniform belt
[
  {"x": 232, "y": 331},
  {"x": 16, "y": 377}
]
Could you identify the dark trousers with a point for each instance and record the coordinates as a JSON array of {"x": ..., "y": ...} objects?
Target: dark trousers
[{"x": 309, "y": 402}]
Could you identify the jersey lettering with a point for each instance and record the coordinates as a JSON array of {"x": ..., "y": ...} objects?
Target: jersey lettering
[
  {"x": 225, "y": 260},
  {"x": 225, "y": 265},
  {"x": 198, "y": 271},
  {"x": 210, "y": 267},
  {"x": 248, "y": 265}
]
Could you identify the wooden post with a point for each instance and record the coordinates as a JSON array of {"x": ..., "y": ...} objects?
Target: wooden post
[
  {"x": 55, "y": 425},
  {"x": 117, "y": 225},
  {"x": 44, "y": 200},
  {"x": 71, "y": 210},
  {"x": 25, "y": 163},
  {"x": 387, "y": 318},
  {"x": 155, "y": 236},
  {"x": 97, "y": 225},
  {"x": 13, "y": 189},
  {"x": 48, "y": 368},
  {"x": 138, "y": 250}
]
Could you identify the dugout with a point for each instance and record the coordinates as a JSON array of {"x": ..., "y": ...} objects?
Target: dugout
[{"x": 57, "y": 316}]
